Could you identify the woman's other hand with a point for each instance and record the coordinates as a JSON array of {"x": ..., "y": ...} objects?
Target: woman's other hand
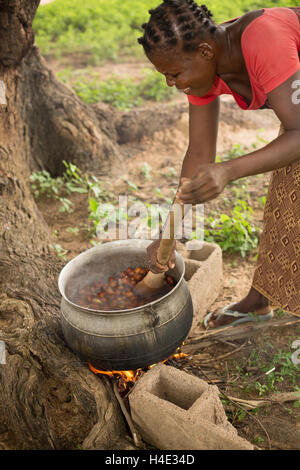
[
  {"x": 209, "y": 182},
  {"x": 151, "y": 259}
]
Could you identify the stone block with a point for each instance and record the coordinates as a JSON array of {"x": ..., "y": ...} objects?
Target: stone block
[
  {"x": 173, "y": 410},
  {"x": 204, "y": 276}
]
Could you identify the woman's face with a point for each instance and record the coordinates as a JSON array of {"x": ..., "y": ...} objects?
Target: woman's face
[{"x": 191, "y": 72}]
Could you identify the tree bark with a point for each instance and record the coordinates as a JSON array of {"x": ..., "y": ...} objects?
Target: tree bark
[{"x": 49, "y": 399}]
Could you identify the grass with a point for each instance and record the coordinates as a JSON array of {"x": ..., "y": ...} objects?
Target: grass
[
  {"x": 102, "y": 29},
  {"x": 266, "y": 368},
  {"x": 122, "y": 93},
  {"x": 107, "y": 29}
]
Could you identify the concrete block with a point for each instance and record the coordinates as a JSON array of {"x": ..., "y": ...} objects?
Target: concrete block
[
  {"x": 174, "y": 410},
  {"x": 204, "y": 276}
]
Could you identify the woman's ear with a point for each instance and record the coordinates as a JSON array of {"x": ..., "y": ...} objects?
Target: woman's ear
[{"x": 206, "y": 51}]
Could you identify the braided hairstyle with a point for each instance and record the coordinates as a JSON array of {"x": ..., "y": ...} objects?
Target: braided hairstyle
[{"x": 177, "y": 22}]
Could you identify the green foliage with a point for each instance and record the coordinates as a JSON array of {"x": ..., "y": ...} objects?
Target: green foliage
[
  {"x": 146, "y": 171},
  {"x": 271, "y": 369},
  {"x": 122, "y": 93},
  {"x": 233, "y": 233},
  {"x": 103, "y": 29},
  {"x": 284, "y": 370},
  {"x": 171, "y": 172},
  {"x": 107, "y": 29},
  {"x": 74, "y": 230},
  {"x": 153, "y": 87},
  {"x": 70, "y": 182},
  {"x": 60, "y": 252},
  {"x": 43, "y": 183}
]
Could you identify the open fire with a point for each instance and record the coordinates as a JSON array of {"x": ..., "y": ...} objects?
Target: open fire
[{"x": 127, "y": 378}]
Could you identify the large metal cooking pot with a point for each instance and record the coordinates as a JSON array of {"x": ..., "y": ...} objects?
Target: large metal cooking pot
[{"x": 122, "y": 339}]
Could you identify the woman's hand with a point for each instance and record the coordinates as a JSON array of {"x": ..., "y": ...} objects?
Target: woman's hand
[
  {"x": 209, "y": 182},
  {"x": 151, "y": 259}
]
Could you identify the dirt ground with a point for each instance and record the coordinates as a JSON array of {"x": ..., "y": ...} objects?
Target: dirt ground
[{"x": 242, "y": 373}]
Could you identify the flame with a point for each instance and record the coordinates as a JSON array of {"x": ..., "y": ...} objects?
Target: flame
[
  {"x": 179, "y": 355},
  {"x": 126, "y": 375},
  {"x": 131, "y": 376}
]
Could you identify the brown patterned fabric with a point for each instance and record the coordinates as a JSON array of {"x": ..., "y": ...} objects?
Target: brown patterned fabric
[{"x": 277, "y": 275}]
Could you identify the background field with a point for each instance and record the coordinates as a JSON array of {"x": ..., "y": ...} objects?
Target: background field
[
  {"x": 93, "y": 46},
  {"x": 104, "y": 29}
]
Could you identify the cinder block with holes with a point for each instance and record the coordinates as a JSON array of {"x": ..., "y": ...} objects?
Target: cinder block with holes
[
  {"x": 175, "y": 410},
  {"x": 204, "y": 276}
]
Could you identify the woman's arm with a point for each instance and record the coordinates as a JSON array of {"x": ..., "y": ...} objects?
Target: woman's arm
[
  {"x": 285, "y": 149},
  {"x": 203, "y": 131}
]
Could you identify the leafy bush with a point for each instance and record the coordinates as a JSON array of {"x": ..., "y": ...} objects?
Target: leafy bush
[
  {"x": 123, "y": 93},
  {"x": 70, "y": 182},
  {"x": 153, "y": 86},
  {"x": 233, "y": 233}
]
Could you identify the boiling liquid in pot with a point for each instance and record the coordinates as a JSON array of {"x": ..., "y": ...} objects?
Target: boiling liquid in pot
[{"x": 118, "y": 293}]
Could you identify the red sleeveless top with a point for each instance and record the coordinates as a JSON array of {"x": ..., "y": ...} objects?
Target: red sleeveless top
[{"x": 271, "y": 50}]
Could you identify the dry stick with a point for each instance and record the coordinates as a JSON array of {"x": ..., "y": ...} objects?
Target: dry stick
[
  {"x": 247, "y": 412},
  {"x": 227, "y": 354},
  {"x": 136, "y": 437},
  {"x": 233, "y": 333},
  {"x": 226, "y": 342},
  {"x": 251, "y": 415},
  {"x": 279, "y": 398}
]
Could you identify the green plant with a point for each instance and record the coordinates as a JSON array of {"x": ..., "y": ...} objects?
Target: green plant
[
  {"x": 74, "y": 182},
  {"x": 60, "y": 252},
  {"x": 233, "y": 233},
  {"x": 171, "y": 172},
  {"x": 43, "y": 183},
  {"x": 74, "y": 230},
  {"x": 66, "y": 205},
  {"x": 154, "y": 87},
  {"x": 262, "y": 200},
  {"x": 279, "y": 312},
  {"x": 103, "y": 215},
  {"x": 70, "y": 182},
  {"x": 158, "y": 193},
  {"x": 145, "y": 170},
  {"x": 122, "y": 93},
  {"x": 271, "y": 370},
  {"x": 131, "y": 185}
]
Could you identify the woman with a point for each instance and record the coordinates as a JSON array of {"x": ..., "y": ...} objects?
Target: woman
[{"x": 256, "y": 59}]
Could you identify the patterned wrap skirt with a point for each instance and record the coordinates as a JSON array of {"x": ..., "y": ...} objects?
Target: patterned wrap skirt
[{"x": 277, "y": 274}]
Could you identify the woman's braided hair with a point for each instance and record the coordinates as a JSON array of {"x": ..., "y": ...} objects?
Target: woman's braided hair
[{"x": 176, "y": 22}]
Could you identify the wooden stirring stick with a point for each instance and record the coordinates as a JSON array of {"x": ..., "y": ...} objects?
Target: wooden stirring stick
[{"x": 152, "y": 281}]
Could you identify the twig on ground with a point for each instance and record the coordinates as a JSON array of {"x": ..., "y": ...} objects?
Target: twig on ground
[
  {"x": 226, "y": 342},
  {"x": 227, "y": 354},
  {"x": 279, "y": 398},
  {"x": 136, "y": 437},
  {"x": 233, "y": 333},
  {"x": 247, "y": 412}
]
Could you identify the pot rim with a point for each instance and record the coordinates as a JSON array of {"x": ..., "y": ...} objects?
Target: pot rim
[{"x": 120, "y": 243}]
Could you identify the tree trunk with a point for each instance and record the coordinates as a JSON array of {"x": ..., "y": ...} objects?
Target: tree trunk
[{"x": 48, "y": 398}]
